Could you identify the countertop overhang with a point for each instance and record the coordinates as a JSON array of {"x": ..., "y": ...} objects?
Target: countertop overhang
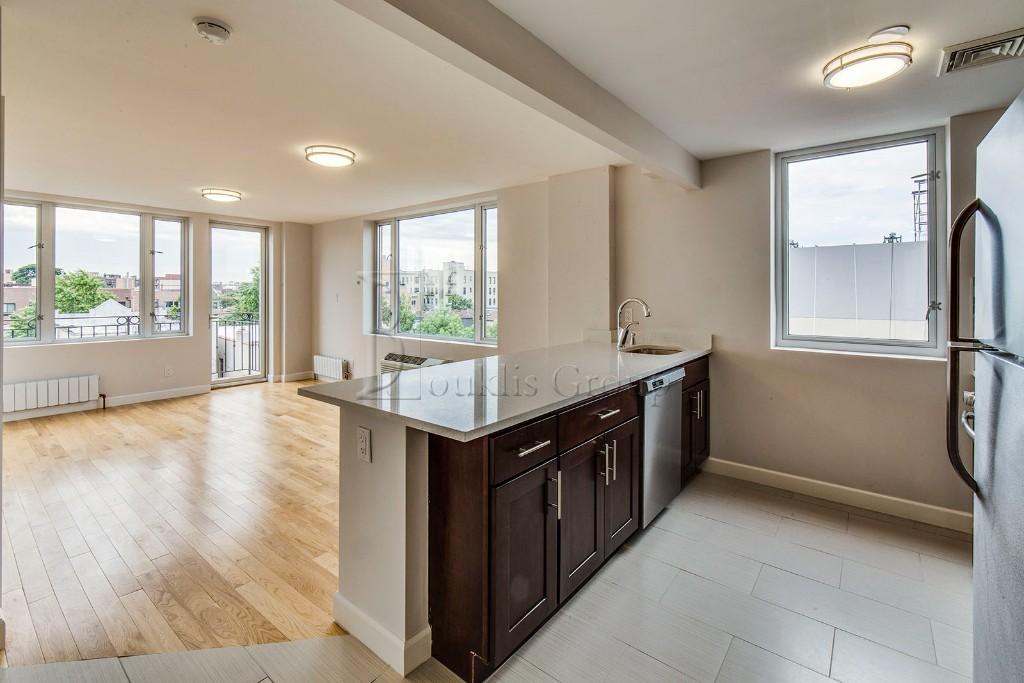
[{"x": 469, "y": 399}]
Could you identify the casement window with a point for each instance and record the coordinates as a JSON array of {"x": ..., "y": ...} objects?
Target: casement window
[
  {"x": 96, "y": 273},
  {"x": 859, "y": 235},
  {"x": 439, "y": 271}
]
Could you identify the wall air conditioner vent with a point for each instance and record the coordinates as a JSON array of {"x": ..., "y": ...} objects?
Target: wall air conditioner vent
[
  {"x": 396, "y": 362},
  {"x": 982, "y": 51}
]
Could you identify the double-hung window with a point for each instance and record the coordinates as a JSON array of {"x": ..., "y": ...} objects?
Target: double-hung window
[
  {"x": 858, "y": 253},
  {"x": 77, "y": 273},
  {"x": 437, "y": 275}
]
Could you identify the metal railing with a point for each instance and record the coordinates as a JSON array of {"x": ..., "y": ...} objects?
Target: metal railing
[
  {"x": 236, "y": 347},
  {"x": 91, "y": 326}
]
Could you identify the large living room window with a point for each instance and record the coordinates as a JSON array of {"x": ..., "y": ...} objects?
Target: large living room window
[
  {"x": 86, "y": 273},
  {"x": 859, "y": 230},
  {"x": 439, "y": 271}
]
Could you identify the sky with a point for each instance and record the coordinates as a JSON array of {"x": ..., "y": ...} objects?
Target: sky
[
  {"x": 855, "y": 198},
  {"x": 108, "y": 242},
  {"x": 429, "y": 241}
]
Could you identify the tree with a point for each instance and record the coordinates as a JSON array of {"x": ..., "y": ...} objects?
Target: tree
[
  {"x": 458, "y": 302},
  {"x": 173, "y": 311},
  {"x": 443, "y": 322},
  {"x": 24, "y": 275},
  {"x": 23, "y": 323},
  {"x": 406, "y": 319},
  {"x": 79, "y": 292},
  {"x": 492, "y": 329},
  {"x": 244, "y": 303}
]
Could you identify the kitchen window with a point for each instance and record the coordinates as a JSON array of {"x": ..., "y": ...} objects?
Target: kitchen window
[
  {"x": 95, "y": 273},
  {"x": 445, "y": 265},
  {"x": 859, "y": 234}
]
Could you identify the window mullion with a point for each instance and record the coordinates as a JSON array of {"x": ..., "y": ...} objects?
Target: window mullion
[
  {"x": 46, "y": 277},
  {"x": 480, "y": 276},
  {"x": 396, "y": 300},
  {"x": 146, "y": 271}
]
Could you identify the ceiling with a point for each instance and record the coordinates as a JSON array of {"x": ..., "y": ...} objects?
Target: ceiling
[
  {"x": 738, "y": 75},
  {"x": 121, "y": 100}
]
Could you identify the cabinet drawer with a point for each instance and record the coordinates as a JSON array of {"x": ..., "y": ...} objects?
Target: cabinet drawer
[
  {"x": 514, "y": 452},
  {"x": 584, "y": 422},
  {"x": 696, "y": 372}
]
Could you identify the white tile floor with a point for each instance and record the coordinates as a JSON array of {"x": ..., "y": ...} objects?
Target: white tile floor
[{"x": 734, "y": 583}]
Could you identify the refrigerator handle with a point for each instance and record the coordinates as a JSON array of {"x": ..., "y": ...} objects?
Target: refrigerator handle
[
  {"x": 957, "y": 345},
  {"x": 956, "y": 233}
]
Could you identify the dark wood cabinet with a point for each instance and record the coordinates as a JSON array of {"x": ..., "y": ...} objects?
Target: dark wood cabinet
[
  {"x": 525, "y": 556},
  {"x": 700, "y": 426},
  {"x": 581, "y": 526},
  {"x": 520, "y": 519},
  {"x": 622, "y": 486}
]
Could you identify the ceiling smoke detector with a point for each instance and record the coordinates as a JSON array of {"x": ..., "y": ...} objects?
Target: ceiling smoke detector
[{"x": 213, "y": 30}]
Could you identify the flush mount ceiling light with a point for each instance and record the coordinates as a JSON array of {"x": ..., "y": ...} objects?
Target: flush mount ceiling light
[
  {"x": 213, "y": 30},
  {"x": 329, "y": 155},
  {"x": 889, "y": 34},
  {"x": 217, "y": 194},
  {"x": 867, "y": 65}
]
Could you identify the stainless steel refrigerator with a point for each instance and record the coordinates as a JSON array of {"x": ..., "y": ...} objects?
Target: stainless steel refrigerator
[{"x": 996, "y": 419}]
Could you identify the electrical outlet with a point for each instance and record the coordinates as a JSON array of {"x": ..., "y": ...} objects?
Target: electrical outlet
[
  {"x": 168, "y": 371},
  {"x": 363, "y": 440}
]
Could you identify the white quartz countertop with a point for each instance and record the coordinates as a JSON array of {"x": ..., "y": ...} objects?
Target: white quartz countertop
[{"x": 471, "y": 398}]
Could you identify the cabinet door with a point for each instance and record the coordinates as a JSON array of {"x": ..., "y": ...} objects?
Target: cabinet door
[
  {"x": 581, "y": 527},
  {"x": 622, "y": 484},
  {"x": 700, "y": 425},
  {"x": 525, "y": 556}
]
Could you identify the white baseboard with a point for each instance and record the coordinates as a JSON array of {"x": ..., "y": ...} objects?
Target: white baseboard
[
  {"x": 401, "y": 656},
  {"x": 890, "y": 505},
  {"x": 126, "y": 399}
]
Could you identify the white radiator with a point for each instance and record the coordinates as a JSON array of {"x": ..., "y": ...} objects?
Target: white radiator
[
  {"x": 45, "y": 393},
  {"x": 326, "y": 367}
]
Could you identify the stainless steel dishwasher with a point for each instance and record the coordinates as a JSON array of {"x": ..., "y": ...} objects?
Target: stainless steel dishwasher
[{"x": 663, "y": 441}]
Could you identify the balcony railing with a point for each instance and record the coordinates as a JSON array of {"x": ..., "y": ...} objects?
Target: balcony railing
[
  {"x": 84, "y": 326},
  {"x": 236, "y": 348}
]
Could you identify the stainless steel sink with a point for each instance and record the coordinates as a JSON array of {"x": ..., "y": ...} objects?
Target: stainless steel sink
[{"x": 649, "y": 350}]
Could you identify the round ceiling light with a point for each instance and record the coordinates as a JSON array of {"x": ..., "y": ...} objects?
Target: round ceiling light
[
  {"x": 867, "y": 65},
  {"x": 217, "y": 194},
  {"x": 329, "y": 155},
  {"x": 889, "y": 33}
]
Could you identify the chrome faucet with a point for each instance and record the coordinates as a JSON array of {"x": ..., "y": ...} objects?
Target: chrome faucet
[{"x": 626, "y": 333}]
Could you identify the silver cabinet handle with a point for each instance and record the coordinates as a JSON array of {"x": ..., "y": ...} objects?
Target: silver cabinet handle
[
  {"x": 558, "y": 494},
  {"x": 607, "y": 469},
  {"x": 534, "y": 448},
  {"x": 967, "y": 420},
  {"x": 615, "y": 460},
  {"x": 608, "y": 412}
]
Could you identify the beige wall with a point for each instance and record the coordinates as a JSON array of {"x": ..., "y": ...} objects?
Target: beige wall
[
  {"x": 296, "y": 301},
  {"x": 871, "y": 423},
  {"x": 134, "y": 369},
  {"x": 580, "y": 269},
  {"x": 545, "y": 297}
]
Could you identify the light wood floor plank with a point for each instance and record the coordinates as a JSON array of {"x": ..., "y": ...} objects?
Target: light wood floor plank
[{"x": 190, "y": 523}]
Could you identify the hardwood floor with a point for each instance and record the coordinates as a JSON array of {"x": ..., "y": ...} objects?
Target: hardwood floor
[{"x": 184, "y": 524}]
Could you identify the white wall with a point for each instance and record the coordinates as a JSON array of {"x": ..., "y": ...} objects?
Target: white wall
[
  {"x": 296, "y": 301},
  {"x": 134, "y": 369}
]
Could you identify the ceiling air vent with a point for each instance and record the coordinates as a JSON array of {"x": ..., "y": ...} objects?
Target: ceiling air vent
[{"x": 982, "y": 51}]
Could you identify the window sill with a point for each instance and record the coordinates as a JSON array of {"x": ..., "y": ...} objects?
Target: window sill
[
  {"x": 437, "y": 340},
  {"x": 932, "y": 357}
]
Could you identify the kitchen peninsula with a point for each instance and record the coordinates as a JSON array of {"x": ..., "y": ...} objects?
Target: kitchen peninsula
[{"x": 453, "y": 499}]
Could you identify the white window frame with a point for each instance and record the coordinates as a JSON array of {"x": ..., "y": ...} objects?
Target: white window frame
[
  {"x": 39, "y": 253},
  {"x": 479, "y": 262},
  {"x": 936, "y": 343},
  {"x": 46, "y": 272}
]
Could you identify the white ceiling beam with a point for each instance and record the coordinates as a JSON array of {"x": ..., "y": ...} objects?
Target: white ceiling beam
[{"x": 478, "y": 38}]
